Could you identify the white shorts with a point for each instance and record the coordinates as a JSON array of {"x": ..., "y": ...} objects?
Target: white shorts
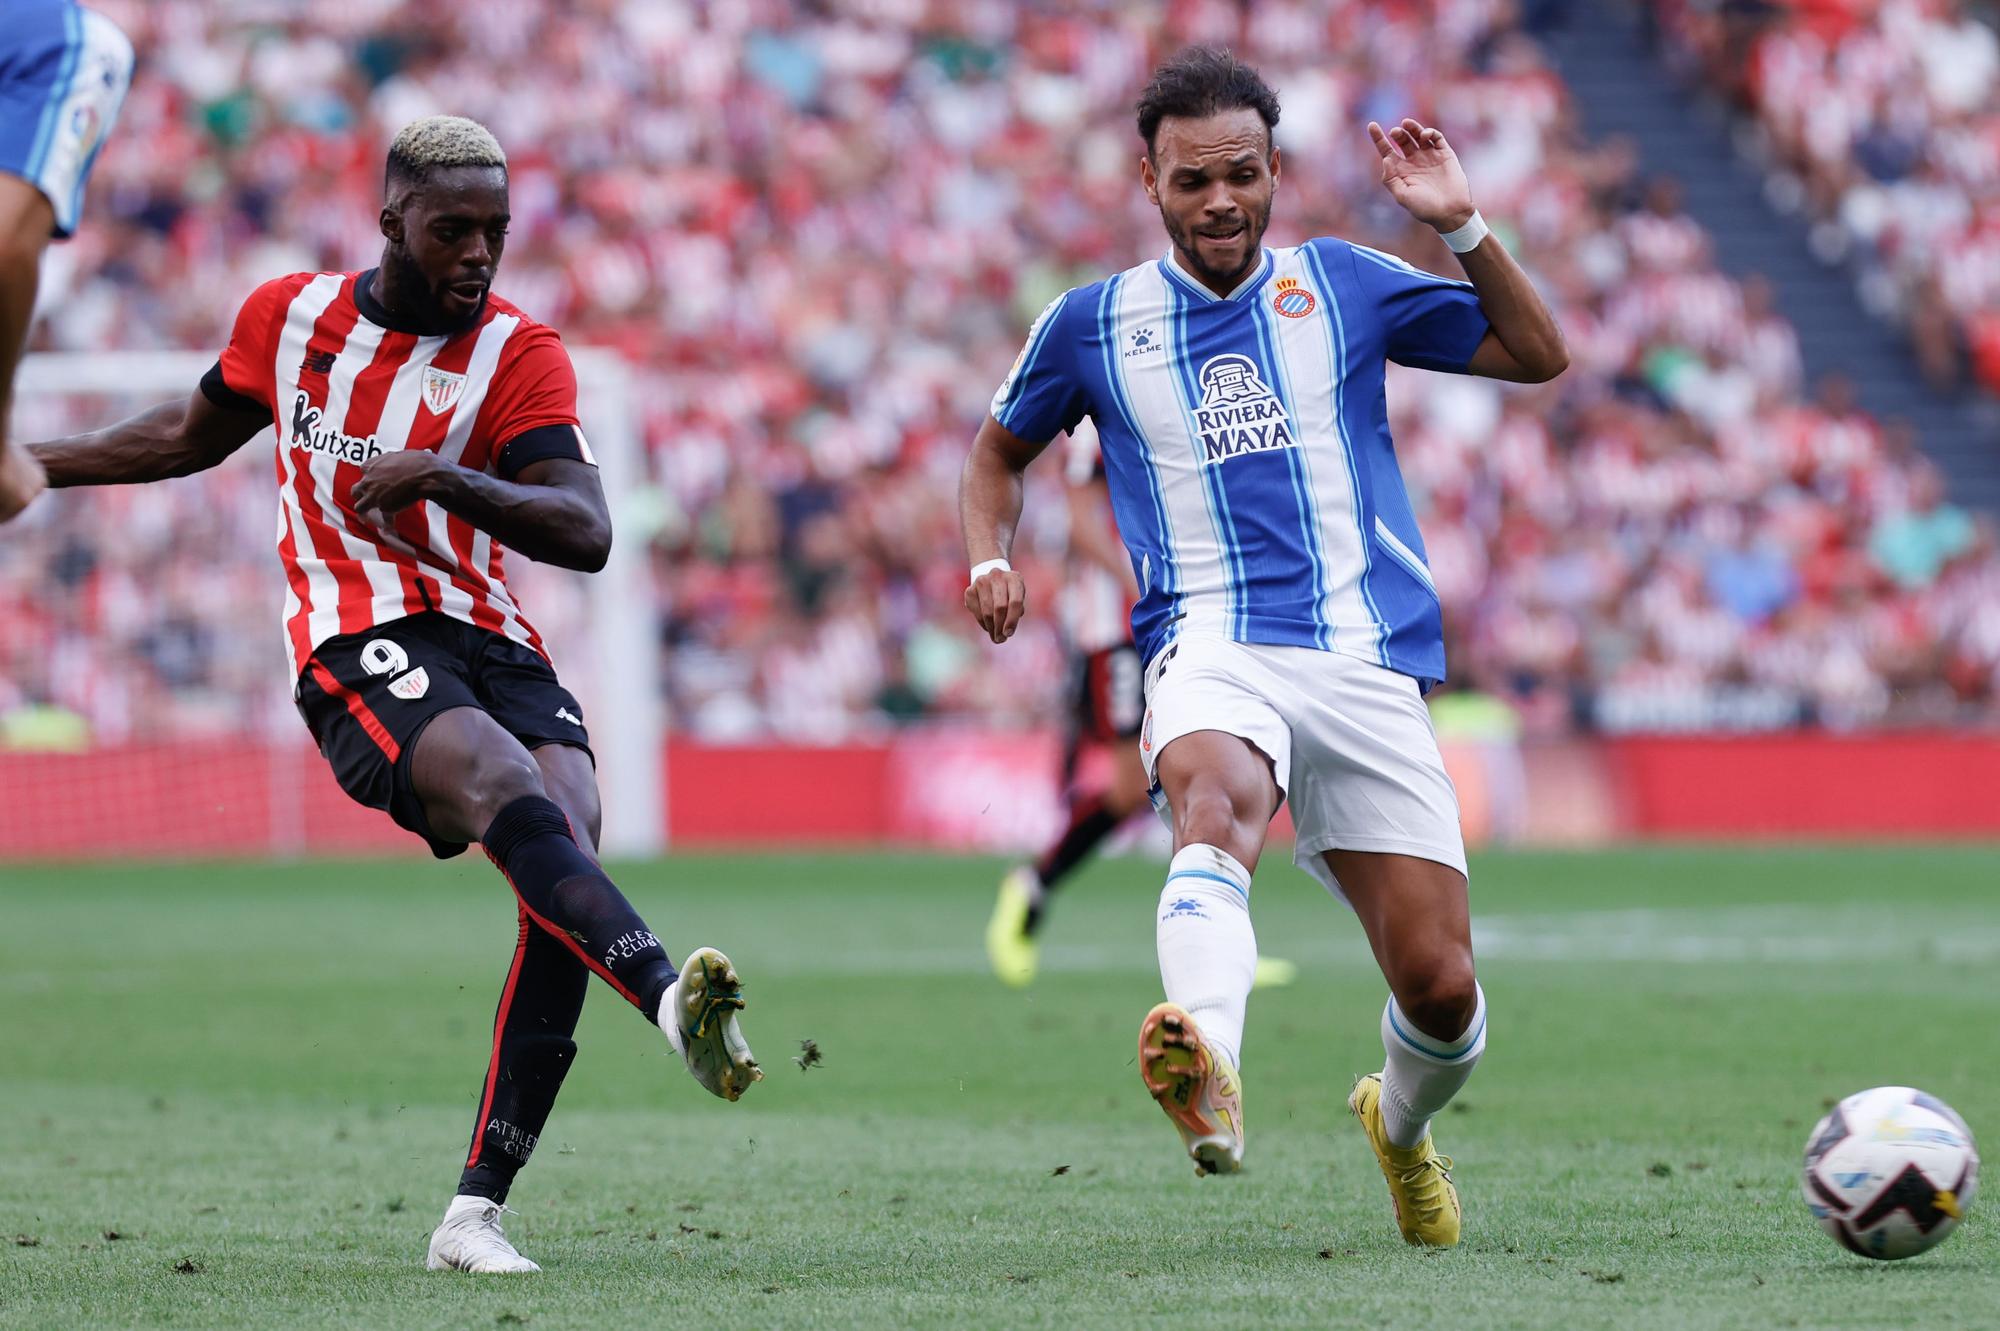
[{"x": 1350, "y": 743}]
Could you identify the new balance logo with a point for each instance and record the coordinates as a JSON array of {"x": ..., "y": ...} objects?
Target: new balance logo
[
  {"x": 317, "y": 362},
  {"x": 569, "y": 716}
]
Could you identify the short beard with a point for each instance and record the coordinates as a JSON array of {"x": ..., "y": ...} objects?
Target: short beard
[
  {"x": 1183, "y": 239},
  {"x": 406, "y": 277}
]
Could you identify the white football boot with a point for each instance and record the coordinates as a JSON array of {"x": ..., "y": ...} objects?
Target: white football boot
[
  {"x": 698, "y": 1015},
  {"x": 469, "y": 1239}
]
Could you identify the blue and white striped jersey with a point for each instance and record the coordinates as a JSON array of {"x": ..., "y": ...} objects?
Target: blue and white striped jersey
[{"x": 1246, "y": 442}]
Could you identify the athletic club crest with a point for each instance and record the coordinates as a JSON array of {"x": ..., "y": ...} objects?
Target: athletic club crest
[
  {"x": 441, "y": 389},
  {"x": 1293, "y": 300},
  {"x": 412, "y": 686}
]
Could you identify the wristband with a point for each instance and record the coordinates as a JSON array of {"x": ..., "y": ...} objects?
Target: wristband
[
  {"x": 1467, "y": 238},
  {"x": 981, "y": 570}
]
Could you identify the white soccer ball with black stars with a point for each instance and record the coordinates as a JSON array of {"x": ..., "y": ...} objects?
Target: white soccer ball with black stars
[{"x": 1890, "y": 1172}]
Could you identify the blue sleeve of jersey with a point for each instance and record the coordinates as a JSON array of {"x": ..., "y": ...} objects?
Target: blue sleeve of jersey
[
  {"x": 1430, "y": 322},
  {"x": 1043, "y": 394}
]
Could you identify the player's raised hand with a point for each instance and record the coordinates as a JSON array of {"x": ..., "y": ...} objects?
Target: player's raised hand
[
  {"x": 998, "y": 600},
  {"x": 1422, "y": 173},
  {"x": 392, "y": 482},
  {"x": 21, "y": 479}
]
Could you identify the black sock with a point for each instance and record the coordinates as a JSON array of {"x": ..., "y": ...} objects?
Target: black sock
[
  {"x": 1089, "y": 823},
  {"x": 565, "y": 893},
  {"x": 532, "y": 1052}
]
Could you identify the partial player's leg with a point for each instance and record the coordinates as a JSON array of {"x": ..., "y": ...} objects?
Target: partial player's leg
[
  {"x": 1378, "y": 823},
  {"x": 477, "y": 783},
  {"x": 517, "y": 687},
  {"x": 533, "y": 1046},
  {"x": 1221, "y": 793},
  {"x": 532, "y": 1052},
  {"x": 1433, "y": 1027},
  {"x": 25, "y": 222},
  {"x": 468, "y": 771},
  {"x": 1217, "y": 750},
  {"x": 1108, "y": 706},
  {"x": 61, "y": 85}
]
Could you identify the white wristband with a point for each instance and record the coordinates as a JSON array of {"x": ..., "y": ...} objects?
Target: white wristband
[
  {"x": 1467, "y": 238},
  {"x": 981, "y": 570}
]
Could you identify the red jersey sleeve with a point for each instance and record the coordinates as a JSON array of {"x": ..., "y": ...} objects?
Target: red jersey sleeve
[
  {"x": 530, "y": 414},
  {"x": 535, "y": 385},
  {"x": 248, "y": 362}
]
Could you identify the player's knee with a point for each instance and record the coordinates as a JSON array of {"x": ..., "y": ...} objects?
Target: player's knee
[
  {"x": 1210, "y": 813},
  {"x": 495, "y": 780},
  {"x": 1442, "y": 998},
  {"x": 1204, "y": 813}
]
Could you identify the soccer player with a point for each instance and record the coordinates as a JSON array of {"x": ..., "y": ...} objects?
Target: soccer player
[
  {"x": 1107, "y": 704},
  {"x": 423, "y": 423},
  {"x": 1286, "y": 614},
  {"x": 64, "y": 70}
]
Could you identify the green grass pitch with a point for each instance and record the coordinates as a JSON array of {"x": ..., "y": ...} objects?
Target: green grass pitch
[{"x": 238, "y": 1096}]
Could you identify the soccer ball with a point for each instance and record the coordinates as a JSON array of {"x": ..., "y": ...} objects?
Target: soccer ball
[{"x": 1890, "y": 1172}]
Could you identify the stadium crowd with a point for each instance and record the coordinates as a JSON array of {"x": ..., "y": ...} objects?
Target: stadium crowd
[
  {"x": 1885, "y": 115},
  {"x": 817, "y": 233}
]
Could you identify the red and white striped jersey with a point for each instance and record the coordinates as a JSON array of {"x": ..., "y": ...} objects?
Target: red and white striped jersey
[{"x": 343, "y": 388}]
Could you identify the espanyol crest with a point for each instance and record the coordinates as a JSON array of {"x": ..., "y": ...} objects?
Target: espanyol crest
[{"x": 441, "y": 389}]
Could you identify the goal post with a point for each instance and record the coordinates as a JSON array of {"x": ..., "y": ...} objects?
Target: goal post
[{"x": 601, "y": 630}]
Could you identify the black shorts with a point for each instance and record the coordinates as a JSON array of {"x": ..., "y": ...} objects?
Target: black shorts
[
  {"x": 1110, "y": 694},
  {"x": 367, "y": 697}
]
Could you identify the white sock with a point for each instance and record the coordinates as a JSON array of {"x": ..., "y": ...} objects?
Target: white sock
[
  {"x": 1208, "y": 952},
  {"x": 1423, "y": 1072}
]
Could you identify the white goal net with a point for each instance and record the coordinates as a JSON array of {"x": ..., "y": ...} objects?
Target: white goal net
[{"x": 143, "y": 693}]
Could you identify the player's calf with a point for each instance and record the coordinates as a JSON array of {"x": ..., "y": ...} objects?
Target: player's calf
[{"x": 565, "y": 893}]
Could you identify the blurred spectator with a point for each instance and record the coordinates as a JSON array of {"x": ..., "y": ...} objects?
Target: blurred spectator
[{"x": 1888, "y": 114}]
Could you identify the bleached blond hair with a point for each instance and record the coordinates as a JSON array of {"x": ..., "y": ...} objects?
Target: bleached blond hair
[{"x": 438, "y": 143}]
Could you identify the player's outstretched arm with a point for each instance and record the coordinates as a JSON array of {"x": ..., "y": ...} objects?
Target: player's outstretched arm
[
  {"x": 553, "y": 512},
  {"x": 989, "y": 508},
  {"x": 172, "y": 439},
  {"x": 1422, "y": 173}
]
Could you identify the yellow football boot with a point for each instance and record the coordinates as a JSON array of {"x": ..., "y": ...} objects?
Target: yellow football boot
[
  {"x": 1419, "y": 1178},
  {"x": 1274, "y": 973},
  {"x": 1197, "y": 1088},
  {"x": 1009, "y": 946}
]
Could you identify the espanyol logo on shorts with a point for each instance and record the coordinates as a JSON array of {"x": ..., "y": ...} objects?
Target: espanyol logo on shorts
[
  {"x": 441, "y": 389},
  {"x": 412, "y": 686},
  {"x": 1238, "y": 413}
]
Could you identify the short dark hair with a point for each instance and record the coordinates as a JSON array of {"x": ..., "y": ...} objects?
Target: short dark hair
[{"x": 1201, "y": 81}]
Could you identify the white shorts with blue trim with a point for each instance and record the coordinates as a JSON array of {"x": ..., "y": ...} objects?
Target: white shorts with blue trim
[
  {"x": 63, "y": 75},
  {"x": 1350, "y": 743}
]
